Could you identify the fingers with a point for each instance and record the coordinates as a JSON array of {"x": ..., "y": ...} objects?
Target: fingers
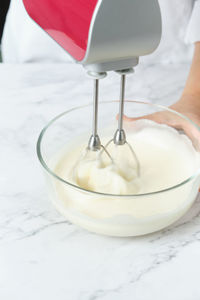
[
  {"x": 152, "y": 117},
  {"x": 175, "y": 122},
  {"x": 158, "y": 117}
]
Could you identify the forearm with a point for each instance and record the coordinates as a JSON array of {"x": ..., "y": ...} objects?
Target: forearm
[{"x": 192, "y": 86}]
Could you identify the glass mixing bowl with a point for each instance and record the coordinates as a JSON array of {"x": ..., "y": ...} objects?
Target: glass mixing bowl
[{"x": 83, "y": 207}]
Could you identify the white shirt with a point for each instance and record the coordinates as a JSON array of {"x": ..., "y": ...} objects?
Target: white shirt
[{"x": 24, "y": 41}]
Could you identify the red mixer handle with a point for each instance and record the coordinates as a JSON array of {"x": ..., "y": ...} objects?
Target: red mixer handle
[
  {"x": 102, "y": 35},
  {"x": 66, "y": 21}
]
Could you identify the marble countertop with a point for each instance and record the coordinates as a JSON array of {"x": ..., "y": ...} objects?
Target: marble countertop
[{"x": 43, "y": 256}]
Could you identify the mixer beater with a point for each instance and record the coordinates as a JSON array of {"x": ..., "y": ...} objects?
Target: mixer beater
[
  {"x": 119, "y": 138},
  {"x": 95, "y": 149},
  {"x": 94, "y": 143},
  {"x": 120, "y": 135}
]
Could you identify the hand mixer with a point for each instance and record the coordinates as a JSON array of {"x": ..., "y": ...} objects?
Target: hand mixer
[{"x": 102, "y": 35}]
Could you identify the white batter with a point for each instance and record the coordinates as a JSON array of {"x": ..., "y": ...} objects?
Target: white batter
[{"x": 166, "y": 159}]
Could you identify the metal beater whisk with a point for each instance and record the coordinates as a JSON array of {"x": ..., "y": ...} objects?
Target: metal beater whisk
[
  {"x": 120, "y": 135},
  {"x": 94, "y": 143}
]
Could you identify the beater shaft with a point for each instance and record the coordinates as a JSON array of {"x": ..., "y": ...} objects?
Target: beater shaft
[
  {"x": 94, "y": 141},
  {"x": 95, "y": 106},
  {"x": 120, "y": 136},
  {"x": 121, "y": 104}
]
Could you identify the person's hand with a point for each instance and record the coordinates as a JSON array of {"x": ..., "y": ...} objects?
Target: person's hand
[{"x": 189, "y": 106}]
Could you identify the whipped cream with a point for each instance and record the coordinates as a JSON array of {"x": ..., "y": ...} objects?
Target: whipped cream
[{"x": 167, "y": 158}]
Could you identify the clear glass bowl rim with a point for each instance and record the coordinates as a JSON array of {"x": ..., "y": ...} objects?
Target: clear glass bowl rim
[{"x": 49, "y": 171}]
